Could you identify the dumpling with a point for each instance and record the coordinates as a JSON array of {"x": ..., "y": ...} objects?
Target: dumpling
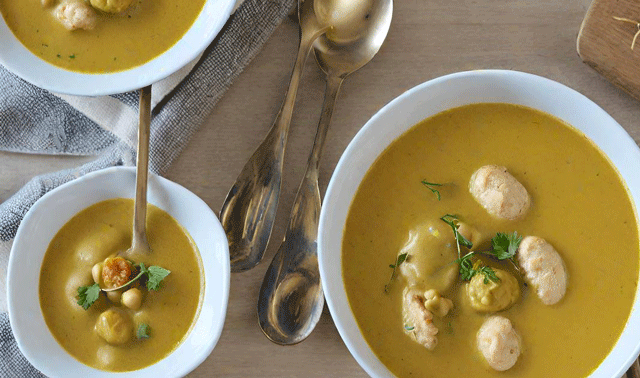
[{"x": 498, "y": 192}]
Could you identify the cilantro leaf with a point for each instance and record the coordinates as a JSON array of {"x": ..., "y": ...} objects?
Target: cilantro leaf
[
  {"x": 468, "y": 269},
  {"x": 401, "y": 258},
  {"x": 143, "y": 331},
  {"x": 505, "y": 245},
  {"x": 466, "y": 266},
  {"x": 489, "y": 274},
  {"x": 155, "y": 275},
  {"x": 87, "y": 295}
]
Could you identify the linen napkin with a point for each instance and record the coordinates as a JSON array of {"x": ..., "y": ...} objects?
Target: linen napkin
[{"x": 33, "y": 120}]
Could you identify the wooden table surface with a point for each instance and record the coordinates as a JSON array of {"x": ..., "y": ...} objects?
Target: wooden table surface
[{"x": 428, "y": 38}]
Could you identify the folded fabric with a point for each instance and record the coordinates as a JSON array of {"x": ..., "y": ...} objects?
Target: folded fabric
[{"x": 36, "y": 121}]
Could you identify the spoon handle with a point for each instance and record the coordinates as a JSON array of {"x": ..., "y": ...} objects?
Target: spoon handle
[
  {"x": 291, "y": 299},
  {"x": 142, "y": 169},
  {"x": 249, "y": 210}
]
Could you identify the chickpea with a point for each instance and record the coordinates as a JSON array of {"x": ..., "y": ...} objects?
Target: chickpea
[
  {"x": 132, "y": 298},
  {"x": 96, "y": 272},
  {"x": 116, "y": 271},
  {"x": 114, "y": 296}
]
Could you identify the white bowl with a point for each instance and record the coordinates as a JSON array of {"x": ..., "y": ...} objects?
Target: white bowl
[
  {"x": 22, "y": 62},
  {"x": 53, "y": 210},
  {"x": 431, "y": 98}
]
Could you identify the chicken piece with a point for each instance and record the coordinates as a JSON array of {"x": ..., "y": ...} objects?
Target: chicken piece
[
  {"x": 430, "y": 248},
  {"x": 419, "y": 319},
  {"x": 543, "y": 269},
  {"x": 498, "y": 192},
  {"x": 493, "y": 296},
  {"x": 111, "y": 6},
  {"x": 437, "y": 305},
  {"x": 499, "y": 343},
  {"x": 76, "y": 14}
]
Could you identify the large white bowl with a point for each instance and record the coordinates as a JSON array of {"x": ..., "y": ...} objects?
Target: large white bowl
[
  {"x": 431, "y": 98},
  {"x": 22, "y": 62},
  {"x": 53, "y": 210}
]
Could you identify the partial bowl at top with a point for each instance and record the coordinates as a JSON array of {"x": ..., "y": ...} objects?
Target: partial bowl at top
[
  {"x": 371, "y": 145},
  {"x": 22, "y": 62},
  {"x": 49, "y": 214}
]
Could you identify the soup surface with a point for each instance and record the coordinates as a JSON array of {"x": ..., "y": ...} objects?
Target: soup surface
[
  {"x": 578, "y": 204},
  {"x": 118, "y": 41},
  {"x": 88, "y": 238}
]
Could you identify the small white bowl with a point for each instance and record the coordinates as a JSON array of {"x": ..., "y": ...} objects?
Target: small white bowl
[
  {"x": 22, "y": 62},
  {"x": 429, "y": 99},
  {"x": 53, "y": 210}
]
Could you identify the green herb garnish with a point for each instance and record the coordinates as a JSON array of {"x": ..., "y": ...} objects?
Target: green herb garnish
[
  {"x": 468, "y": 269},
  {"x": 401, "y": 258},
  {"x": 408, "y": 327},
  {"x": 429, "y": 186},
  {"x": 72, "y": 56},
  {"x": 87, "y": 295},
  {"x": 143, "y": 331},
  {"x": 504, "y": 246},
  {"x": 154, "y": 275},
  {"x": 452, "y": 220}
]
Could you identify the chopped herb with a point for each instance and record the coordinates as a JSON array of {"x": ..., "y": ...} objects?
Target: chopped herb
[
  {"x": 429, "y": 186},
  {"x": 72, "y": 56},
  {"x": 504, "y": 246},
  {"x": 468, "y": 269},
  {"x": 408, "y": 327},
  {"x": 58, "y": 55},
  {"x": 401, "y": 258},
  {"x": 143, "y": 331},
  {"x": 155, "y": 275},
  {"x": 452, "y": 220},
  {"x": 87, "y": 295},
  {"x": 489, "y": 274},
  {"x": 449, "y": 328},
  {"x": 466, "y": 266}
]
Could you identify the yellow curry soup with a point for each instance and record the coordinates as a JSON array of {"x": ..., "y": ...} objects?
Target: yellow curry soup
[
  {"x": 165, "y": 315},
  {"x": 578, "y": 204},
  {"x": 116, "y": 41}
]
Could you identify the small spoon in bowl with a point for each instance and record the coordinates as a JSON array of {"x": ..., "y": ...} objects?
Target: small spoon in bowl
[
  {"x": 291, "y": 299},
  {"x": 139, "y": 245}
]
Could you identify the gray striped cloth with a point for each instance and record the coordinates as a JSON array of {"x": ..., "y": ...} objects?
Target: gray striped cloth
[{"x": 33, "y": 120}]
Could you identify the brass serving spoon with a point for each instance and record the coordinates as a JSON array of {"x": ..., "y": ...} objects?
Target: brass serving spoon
[
  {"x": 291, "y": 298},
  {"x": 249, "y": 210}
]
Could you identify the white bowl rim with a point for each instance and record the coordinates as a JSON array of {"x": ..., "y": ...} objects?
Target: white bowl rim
[
  {"x": 616, "y": 144},
  {"x": 23, "y": 63},
  {"x": 209, "y": 322}
]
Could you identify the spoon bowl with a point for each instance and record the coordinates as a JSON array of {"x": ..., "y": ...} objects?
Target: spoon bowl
[{"x": 291, "y": 298}]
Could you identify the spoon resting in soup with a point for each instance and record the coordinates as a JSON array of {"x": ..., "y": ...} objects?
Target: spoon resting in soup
[{"x": 130, "y": 328}]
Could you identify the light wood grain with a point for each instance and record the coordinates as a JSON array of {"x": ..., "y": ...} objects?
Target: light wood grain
[
  {"x": 428, "y": 38},
  {"x": 604, "y": 42}
]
